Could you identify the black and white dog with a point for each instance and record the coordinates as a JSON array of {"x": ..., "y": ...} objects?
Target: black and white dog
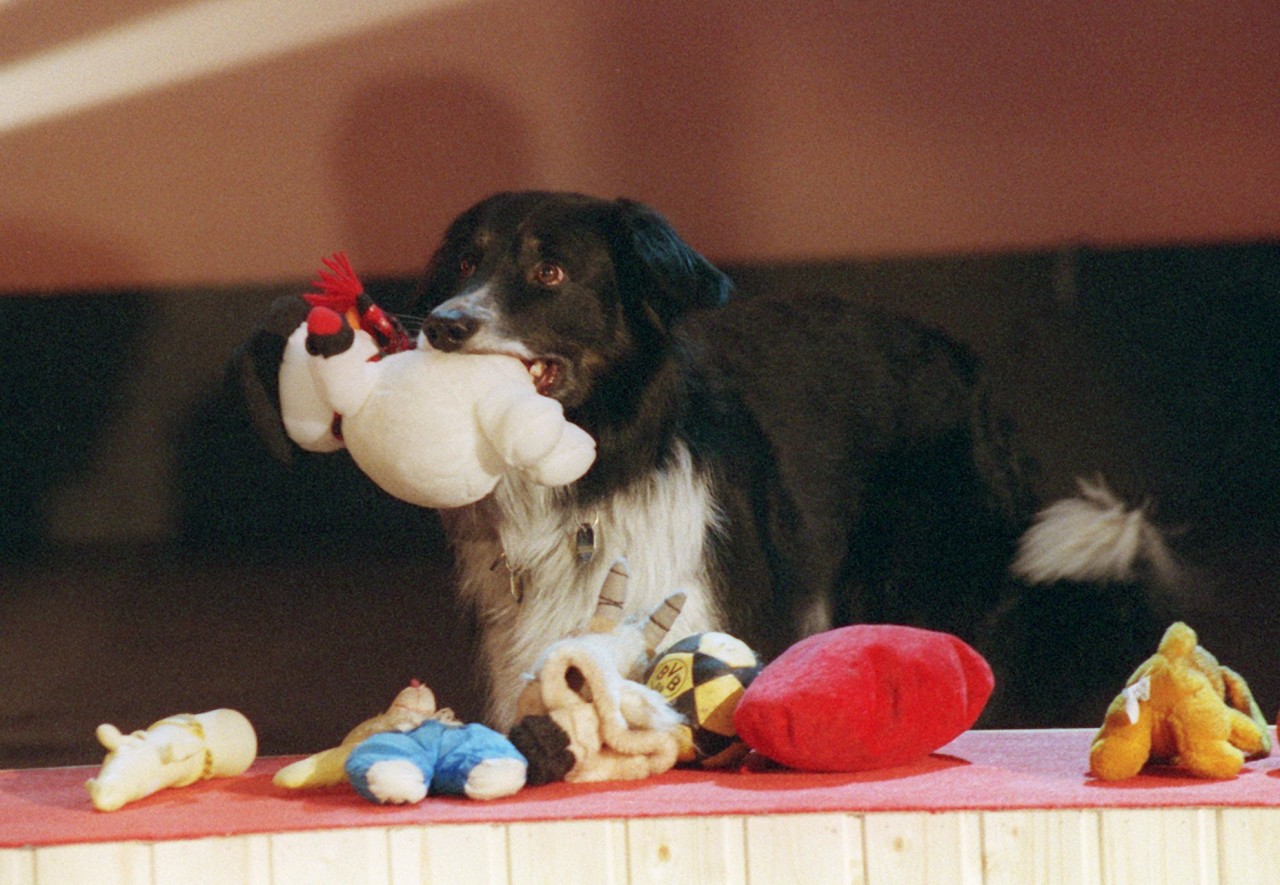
[{"x": 792, "y": 464}]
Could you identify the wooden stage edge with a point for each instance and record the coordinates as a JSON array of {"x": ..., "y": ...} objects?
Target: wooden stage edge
[{"x": 991, "y": 807}]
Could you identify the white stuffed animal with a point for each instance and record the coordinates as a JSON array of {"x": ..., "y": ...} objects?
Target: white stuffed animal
[
  {"x": 432, "y": 428},
  {"x": 174, "y": 752},
  {"x": 585, "y": 713}
]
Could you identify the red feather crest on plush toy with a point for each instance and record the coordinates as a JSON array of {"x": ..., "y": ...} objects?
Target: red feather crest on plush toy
[{"x": 341, "y": 291}]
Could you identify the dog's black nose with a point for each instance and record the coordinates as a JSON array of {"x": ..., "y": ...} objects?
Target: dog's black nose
[{"x": 449, "y": 329}]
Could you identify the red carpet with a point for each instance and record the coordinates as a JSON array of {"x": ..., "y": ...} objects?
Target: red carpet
[{"x": 983, "y": 770}]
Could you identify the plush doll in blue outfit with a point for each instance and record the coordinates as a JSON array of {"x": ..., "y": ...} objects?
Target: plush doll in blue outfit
[{"x": 443, "y": 758}]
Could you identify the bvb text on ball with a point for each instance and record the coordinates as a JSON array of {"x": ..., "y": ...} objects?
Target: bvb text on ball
[{"x": 702, "y": 677}]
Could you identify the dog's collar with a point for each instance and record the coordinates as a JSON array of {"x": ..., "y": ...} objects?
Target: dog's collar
[{"x": 585, "y": 540}]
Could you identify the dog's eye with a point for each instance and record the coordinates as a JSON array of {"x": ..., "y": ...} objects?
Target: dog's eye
[
  {"x": 466, "y": 267},
  {"x": 548, "y": 273}
]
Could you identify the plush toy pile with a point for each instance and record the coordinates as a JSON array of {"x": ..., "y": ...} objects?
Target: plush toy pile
[
  {"x": 585, "y": 715},
  {"x": 852, "y": 699}
]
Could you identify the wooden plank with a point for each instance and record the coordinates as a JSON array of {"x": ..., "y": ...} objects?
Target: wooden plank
[
  {"x": 807, "y": 849},
  {"x": 1057, "y": 847},
  {"x": 1161, "y": 846},
  {"x": 240, "y": 859},
  {"x": 910, "y": 847},
  {"x": 1248, "y": 845},
  {"x": 102, "y": 863},
  {"x": 1071, "y": 846},
  {"x": 357, "y": 856},
  {"x": 18, "y": 866},
  {"x": 449, "y": 854},
  {"x": 677, "y": 851},
  {"x": 577, "y": 852}
]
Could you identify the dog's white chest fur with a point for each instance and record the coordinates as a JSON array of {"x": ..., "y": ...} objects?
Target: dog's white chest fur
[{"x": 662, "y": 526}]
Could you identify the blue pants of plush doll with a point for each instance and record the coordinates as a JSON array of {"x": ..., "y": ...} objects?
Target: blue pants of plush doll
[{"x": 437, "y": 758}]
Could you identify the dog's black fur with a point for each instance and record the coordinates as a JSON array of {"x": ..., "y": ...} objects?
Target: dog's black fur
[{"x": 859, "y": 468}]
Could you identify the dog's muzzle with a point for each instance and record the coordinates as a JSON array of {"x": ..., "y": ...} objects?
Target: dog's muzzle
[{"x": 449, "y": 330}]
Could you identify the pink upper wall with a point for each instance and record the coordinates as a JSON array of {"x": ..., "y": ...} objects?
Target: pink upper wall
[{"x": 763, "y": 130}]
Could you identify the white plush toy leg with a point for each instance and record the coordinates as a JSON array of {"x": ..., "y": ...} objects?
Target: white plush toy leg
[
  {"x": 308, "y": 419},
  {"x": 571, "y": 458},
  {"x": 495, "y": 778},
  {"x": 396, "y": 782},
  {"x": 530, "y": 433},
  {"x": 522, "y": 426}
]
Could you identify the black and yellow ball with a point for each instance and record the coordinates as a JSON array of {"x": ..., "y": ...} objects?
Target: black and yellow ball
[{"x": 703, "y": 676}]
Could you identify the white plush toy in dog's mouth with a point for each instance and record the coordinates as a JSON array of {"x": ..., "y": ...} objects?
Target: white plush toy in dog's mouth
[{"x": 435, "y": 429}]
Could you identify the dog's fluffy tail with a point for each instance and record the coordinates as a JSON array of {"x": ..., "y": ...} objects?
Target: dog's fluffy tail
[
  {"x": 1094, "y": 585},
  {"x": 1094, "y": 537}
]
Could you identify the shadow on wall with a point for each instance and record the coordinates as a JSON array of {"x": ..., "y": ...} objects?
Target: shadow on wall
[
  {"x": 639, "y": 93},
  {"x": 407, "y": 151},
  {"x": 668, "y": 97},
  {"x": 414, "y": 149}
]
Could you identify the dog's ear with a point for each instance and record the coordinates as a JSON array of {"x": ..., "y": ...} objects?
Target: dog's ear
[
  {"x": 434, "y": 282},
  {"x": 669, "y": 275},
  {"x": 440, "y": 278}
]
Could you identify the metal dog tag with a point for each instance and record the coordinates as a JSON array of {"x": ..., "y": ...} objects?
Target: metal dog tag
[
  {"x": 515, "y": 577},
  {"x": 584, "y": 542}
]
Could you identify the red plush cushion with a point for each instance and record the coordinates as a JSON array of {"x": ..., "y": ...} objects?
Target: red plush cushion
[{"x": 861, "y": 697}]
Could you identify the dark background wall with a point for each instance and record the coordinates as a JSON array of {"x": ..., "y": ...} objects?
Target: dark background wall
[{"x": 155, "y": 559}]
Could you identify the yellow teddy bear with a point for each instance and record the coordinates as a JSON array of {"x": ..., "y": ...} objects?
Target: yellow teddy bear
[{"x": 1180, "y": 707}]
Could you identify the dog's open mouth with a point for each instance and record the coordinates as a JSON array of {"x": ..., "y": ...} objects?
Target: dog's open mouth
[{"x": 545, "y": 373}]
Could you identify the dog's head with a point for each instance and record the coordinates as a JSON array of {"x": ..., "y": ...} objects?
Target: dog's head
[{"x": 574, "y": 286}]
